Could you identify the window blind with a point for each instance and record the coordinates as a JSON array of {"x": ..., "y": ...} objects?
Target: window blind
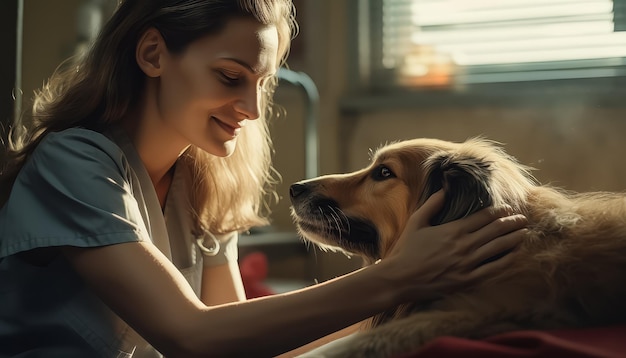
[{"x": 427, "y": 43}]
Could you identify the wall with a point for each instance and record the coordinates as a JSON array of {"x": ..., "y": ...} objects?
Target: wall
[
  {"x": 49, "y": 37},
  {"x": 8, "y": 61}
]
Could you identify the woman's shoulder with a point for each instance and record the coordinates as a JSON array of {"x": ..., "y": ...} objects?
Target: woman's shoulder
[
  {"x": 78, "y": 138},
  {"x": 74, "y": 146},
  {"x": 75, "y": 189},
  {"x": 77, "y": 157}
]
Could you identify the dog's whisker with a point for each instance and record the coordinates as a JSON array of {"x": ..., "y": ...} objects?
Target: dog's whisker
[
  {"x": 344, "y": 219},
  {"x": 337, "y": 223},
  {"x": 337, "y": 218},
  {"x": 328, "y": 227},
  {"x": 323, "y": 218}
]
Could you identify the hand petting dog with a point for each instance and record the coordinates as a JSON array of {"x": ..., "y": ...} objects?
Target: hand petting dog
[{"x": 467, "y": 241}]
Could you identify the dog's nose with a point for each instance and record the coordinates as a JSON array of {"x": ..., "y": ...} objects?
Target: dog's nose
[{"x": 298, "y": 189}]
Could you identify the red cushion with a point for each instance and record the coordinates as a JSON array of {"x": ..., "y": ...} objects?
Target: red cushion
[
  {"x": 605, "y": 342},
  {"x": 254, "y": 268}
]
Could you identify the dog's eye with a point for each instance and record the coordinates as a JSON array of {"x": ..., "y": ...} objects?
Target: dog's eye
[{"x": 382, "y": 172}]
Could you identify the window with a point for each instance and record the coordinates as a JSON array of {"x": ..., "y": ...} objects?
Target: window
[{"x": 461, "y": 44}]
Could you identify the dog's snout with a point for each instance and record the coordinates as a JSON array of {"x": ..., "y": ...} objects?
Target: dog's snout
[{"x": 298, "y": 189}]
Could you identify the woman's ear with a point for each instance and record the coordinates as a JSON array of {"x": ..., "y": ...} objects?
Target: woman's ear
[{"x": 150, "y": 51}]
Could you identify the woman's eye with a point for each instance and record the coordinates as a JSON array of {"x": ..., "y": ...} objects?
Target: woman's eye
[
  {"x": 382, "y": 172},
  {"x": 229, "y": 79}
]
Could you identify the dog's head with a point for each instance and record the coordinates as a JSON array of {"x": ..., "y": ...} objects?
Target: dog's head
[{"x": 364, "y": 212}]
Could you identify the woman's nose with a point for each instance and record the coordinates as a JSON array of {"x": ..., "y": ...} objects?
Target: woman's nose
[{"x": 249, "y": 105}]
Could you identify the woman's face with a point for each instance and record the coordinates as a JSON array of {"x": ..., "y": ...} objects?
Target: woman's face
[{"x": 210, "y": 92}]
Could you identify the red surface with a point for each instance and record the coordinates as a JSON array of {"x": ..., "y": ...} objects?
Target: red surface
[
  {"x": 254, "y": 267},
  {"x": 605, "y": 342}
]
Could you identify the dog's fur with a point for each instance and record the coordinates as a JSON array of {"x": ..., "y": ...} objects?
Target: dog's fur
[{"x": 570, "y": 271}]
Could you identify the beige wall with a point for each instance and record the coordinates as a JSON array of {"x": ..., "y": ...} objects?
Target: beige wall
[{"x": 49, "y": 37}]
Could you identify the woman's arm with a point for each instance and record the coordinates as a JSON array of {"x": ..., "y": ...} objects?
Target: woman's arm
[
  {"x": 149, "y": 293},
  {"x": 222, "y": 284}
]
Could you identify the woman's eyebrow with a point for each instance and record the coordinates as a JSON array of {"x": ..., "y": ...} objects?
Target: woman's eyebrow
[{"x": 248, "y": 67}]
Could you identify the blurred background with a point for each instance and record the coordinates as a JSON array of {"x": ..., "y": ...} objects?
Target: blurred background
[{"x": 543, "y": 77}]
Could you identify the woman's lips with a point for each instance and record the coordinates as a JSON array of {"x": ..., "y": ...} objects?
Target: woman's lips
[{"x": 232, "y": 131}]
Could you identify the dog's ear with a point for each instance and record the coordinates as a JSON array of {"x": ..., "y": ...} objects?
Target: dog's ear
[{"x": 465, "y": 181}]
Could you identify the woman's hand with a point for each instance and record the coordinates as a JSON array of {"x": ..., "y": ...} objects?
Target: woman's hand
[{"x": 432, "y": 260}]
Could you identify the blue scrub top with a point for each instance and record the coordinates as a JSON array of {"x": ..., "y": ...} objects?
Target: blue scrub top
[{"x": 86, "y": 189}]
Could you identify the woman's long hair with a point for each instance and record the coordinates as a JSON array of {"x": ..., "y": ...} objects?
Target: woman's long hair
[{"x": 98, "y": 89}]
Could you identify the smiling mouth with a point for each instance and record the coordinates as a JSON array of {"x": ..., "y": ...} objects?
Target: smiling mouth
[{"x": 232, "y": 131}]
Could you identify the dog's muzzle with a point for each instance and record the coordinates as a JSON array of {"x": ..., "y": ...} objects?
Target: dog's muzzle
[{"x": 321, "y": 219}]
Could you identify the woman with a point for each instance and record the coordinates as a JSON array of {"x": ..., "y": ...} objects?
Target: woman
[{"x": 122, "y": 202}]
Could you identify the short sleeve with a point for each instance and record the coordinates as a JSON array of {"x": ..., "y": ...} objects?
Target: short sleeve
[
  {"x": 74, "y": 190},
  {"x": 228, "y": 252}
]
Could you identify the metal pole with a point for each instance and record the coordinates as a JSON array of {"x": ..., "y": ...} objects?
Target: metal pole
[
  {"x": 311, "y": 147},
  {"x": 17, "y": 88}
]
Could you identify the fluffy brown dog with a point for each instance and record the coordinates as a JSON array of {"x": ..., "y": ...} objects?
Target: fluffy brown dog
[{"x": 571, "y": 271}]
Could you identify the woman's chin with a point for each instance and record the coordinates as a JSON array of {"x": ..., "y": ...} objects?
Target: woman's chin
[{"x": 224, "y": 150}]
